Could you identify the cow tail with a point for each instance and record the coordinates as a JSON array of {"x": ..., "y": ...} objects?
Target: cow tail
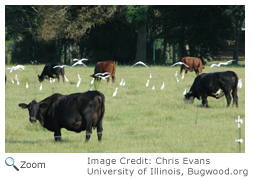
[
  {"x": 113, "y": 71},
  {"x": 102, "y": 108},
  {"x": 236, "y": 83}
]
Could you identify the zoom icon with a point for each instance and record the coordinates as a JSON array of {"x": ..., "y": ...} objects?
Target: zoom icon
[{"x": 9, "y": 161}]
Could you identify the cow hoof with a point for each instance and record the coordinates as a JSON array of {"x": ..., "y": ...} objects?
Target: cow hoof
[{"x": 57, "y": 141}]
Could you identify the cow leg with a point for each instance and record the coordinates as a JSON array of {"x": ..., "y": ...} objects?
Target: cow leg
[
  {"x": 113, "y": 78},
  {"x": 57, "y": 135},
  {"x": 204, "y": 101},
  {"x": 199, "y": 70},
  {"x": 57, "y": 132},
  {"x": 58, "y": 78},
  {"x": 87, "y": 136},
  {"x": 108, "y": 79},
  {"x": 181, "y": 69},
  {"x": 235, "y": 98},
  {"x": 228, "y": 97},
  {"x": 88, "y": 131},
  {"x": 99, "y": 131}
]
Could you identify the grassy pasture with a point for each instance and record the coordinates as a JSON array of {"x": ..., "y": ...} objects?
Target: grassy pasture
[{"x": 137, "y": 120}]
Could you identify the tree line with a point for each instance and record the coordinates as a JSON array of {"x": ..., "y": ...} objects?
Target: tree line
[{"x": 126, "y": 34}]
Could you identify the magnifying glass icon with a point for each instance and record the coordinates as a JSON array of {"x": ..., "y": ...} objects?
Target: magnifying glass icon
[{"x": 9, "y": 161}]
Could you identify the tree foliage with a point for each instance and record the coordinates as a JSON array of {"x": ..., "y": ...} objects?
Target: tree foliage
[{"x": 121, "y": 33}]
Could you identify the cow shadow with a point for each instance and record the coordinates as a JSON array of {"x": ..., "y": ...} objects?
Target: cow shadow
[{"x": 36, "y": 141}]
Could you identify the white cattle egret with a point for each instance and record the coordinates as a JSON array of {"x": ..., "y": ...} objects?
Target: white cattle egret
[
  {"x": 162, "y": 86},
  {"x": 66, "y": 78},
  {"x": 184, "y": 91},
  {"x": 124, "y": 83},
  {"x": 176, "y": 73},
  {"x": 179, "y": 63},
  {"x": 104, "y": 75},
  {"x": 153, "y": 88},
  {"x": 50, "y": 80},
  {"x": 221, "y": 63},
  {"x": 140, "y": 63},
  {"x": 91, "y": 89},
  {"x": 16, "y": 68},
  {"x": 60, "y": 66},
  {"x": 26, "y": 85},
  {"x": 115, "y": 92},
  {"x": 121, "y": 83},
  {"x": 150, "y": 76},
  {"x": 79, "y": 62},
  {"x": 40, "y": 86},
  {"x": 16, "y": 77},
  {"x": 92, "y": 81},
  {"x": 20, "y": 67},
  {"x": 147, "y": 83},
  {"x": 83, "y": 59},
  {"x": 177, "y": 80},
  {"x": 239, "y": 85},
  {"x": 79, "y": 80},
  {"x": 182, "y": 75}
]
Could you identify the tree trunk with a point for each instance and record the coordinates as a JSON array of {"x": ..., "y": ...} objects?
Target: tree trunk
[
  {"x": 174, "y": 53},
  {"x": 32, "y": 32},
  {"x": 141, "y": 41},
  {"x": 181, "y": 50},
  {"x": 164, "y": 50},
  {"x": 65, "y": 53},
  {"x": 181, "y": 44},
  {"x": 58, "y": 50},
  {"x": 238, "y": 27},
  {"x": 192, "y": 50}
]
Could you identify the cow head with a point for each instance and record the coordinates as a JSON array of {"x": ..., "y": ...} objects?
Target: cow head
[
  {"x": 33, "y": 108},
  {"x": 189, "y": 98},
  {"x": 41, "y": 78},
  {"x": 93, "y": 76}
]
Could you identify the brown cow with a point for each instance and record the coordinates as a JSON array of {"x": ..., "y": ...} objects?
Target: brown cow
[
  {"x": 195, "y": 64},
  {"x": 106, "y": 66}
]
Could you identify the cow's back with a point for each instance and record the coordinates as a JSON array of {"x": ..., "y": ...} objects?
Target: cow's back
[
  {"x": 106, "y": 66},
  {"x": 194, "y": 63}
]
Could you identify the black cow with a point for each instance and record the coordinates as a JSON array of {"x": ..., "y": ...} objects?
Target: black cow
[
  {"x": 214, "y": 84},
  {"x": 49, "y": 71},
  {"x": 75, "y": 112}
]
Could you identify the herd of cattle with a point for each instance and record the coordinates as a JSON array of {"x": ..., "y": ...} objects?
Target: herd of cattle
[{"x": 84, "y": 111}]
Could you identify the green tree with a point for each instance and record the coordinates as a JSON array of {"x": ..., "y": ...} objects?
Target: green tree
[
  {"x": 203, "y": 28},
  {"x": 21, "y": 27},
  {"x": 138, "y": 15},
  {"x": 71, "y": 23},
  {"x": 238, "y": 17}
]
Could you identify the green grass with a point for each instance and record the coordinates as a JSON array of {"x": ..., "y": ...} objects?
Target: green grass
[{"x": 137, "y": 120}]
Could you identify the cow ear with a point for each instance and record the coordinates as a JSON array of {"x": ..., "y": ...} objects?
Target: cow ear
[
  {"x": 43, "y": 105},
  {"x": 23, "y": 105}
]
